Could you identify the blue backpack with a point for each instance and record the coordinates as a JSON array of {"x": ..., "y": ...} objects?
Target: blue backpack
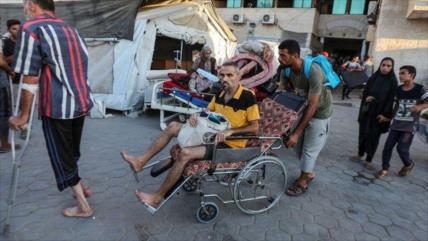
[{"x": 331, "y": 78}]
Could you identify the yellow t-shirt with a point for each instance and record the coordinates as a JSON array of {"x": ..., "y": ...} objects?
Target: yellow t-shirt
[{"x": 239, "y": 111}]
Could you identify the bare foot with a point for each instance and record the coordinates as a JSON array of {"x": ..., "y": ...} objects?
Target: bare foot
[
  {"x": 150, "y": 199},
  {"x": 77, "y": 212},
  {"x": 131, "y": 160}
]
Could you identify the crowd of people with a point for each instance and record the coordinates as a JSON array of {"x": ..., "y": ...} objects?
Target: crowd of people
[{"x": 52, "y": 59}]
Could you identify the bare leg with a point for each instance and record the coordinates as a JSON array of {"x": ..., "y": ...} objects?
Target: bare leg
[
  {"x": 138, "y": 162},
  {"x": 82, "y": 209},
  {"x": 186, "y": 155}
]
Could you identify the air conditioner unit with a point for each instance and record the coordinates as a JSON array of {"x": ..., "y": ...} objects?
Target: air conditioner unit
[
  {"x": 268, "y": 19},
  {"x": 238, "y": 18}
]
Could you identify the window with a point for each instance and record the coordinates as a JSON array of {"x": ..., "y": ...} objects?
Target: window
[
  {"x": 357, "y": 7},
  {"x": 339, "y": 6},
  {"x": 233, "y": 3},
  {"x": 302, "y": 4},
  {"x": 285, "y": 3},
  {"x": 264, "y": 3}
]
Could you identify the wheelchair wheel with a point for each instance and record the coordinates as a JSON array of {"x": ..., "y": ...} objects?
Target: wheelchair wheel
[
  {"x": 260, "y": 184},
  {"x": 207, "y": 213},
  {"x": 191, "y": 185}
]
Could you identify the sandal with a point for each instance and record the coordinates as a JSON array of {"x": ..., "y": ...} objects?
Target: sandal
[
  {"x": 382, "y": 173},
  {"x": 296, "y": 189},
  {"x": 406, "y": 170},
  {"x": 308, "y": 180}
]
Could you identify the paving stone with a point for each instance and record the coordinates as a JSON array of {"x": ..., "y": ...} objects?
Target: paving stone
[
  {"x": 315, "y": 229},
  {"x": 276, "y": 235},
  {"x": 420, "y": 234},
  {"x": 180, "y": 233},
  {"x": 379, "y": 219},
  {"x": 399, "y": 233},
  {"x": 356, "y": 216},
  {"x": 252, "y": 232},
  {"x": 350, "y": 225},
  {"x": 313, "y": 208},
  {"x": 422, "y": 225},
  {"x": 340, "y": 234},
  {"x": 375, "y": 230},
  {"x": 302, "y": 216},
  {"x": 291, "y": 226},
  {"x": 208, "y": 236},
  {"x": 350, "y": 173},
  {"x": 303, "y": 237},
  {"x": 326, "y": 221},
  {"x": 365, "y": 237}
]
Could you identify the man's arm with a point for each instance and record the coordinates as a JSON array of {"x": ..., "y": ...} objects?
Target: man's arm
[
  {"x": 4, "y": 65},
  {"x": 307, "y": 117},
  {"x": 27, "y": 99}
]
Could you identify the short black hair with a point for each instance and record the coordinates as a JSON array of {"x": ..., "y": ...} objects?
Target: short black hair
[
  {"x": 411, "y": 69},
  {"x": 45, "y": 4},
  {"x": 291, "y": 45},
  {"x": 12, "y": 22},
  {"x": 231, "y": 64}
]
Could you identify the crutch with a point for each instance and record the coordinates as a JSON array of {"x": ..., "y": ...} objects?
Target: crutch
[{"x": 17, "y": 160}]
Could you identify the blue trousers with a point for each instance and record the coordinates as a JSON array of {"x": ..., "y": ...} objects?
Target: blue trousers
[{"x": 403, "y": 140}]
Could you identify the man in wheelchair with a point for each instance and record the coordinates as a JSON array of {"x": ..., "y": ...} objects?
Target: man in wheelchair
[{"x": 235, "y": 102}]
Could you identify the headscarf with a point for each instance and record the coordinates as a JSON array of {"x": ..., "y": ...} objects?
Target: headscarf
[{"x": 382, "y": 87}]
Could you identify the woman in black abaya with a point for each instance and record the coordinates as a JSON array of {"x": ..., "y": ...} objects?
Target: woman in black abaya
[{"x": 376, "y": 110}]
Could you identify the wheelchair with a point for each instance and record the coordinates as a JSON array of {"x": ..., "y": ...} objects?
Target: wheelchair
[{"x": 254, "y": 176}]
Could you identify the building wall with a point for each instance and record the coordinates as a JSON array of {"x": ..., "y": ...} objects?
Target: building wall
[
  {"x": 342, "y": 26},
  {"x": 288, "y": 19},
  {"x": 405, "y": 40}
]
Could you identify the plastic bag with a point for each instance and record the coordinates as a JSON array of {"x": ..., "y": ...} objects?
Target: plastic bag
[{"x": 208, "y": 125}]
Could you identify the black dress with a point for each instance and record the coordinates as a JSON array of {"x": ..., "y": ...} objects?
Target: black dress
[{"x": 382, "y": 88}]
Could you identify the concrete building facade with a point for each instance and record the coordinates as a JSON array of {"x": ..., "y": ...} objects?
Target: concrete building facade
[{"x": 402, "y": 33}]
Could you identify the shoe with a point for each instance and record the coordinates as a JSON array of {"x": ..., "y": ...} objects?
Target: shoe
[
  {"x": 382, "y": 173},
  {"x": 368, "y": 165},
  {"x": 406, "y": 170}
]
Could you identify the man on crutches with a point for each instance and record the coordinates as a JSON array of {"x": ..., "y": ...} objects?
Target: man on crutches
[{"x": 53, "y": 60}]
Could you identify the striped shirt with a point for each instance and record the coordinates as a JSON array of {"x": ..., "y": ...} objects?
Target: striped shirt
[{"x": 49, "y": 48}]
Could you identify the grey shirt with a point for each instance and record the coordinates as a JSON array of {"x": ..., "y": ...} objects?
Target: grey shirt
[{"x": 314, "y": 86}]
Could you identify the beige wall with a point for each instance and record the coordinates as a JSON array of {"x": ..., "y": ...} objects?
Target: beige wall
[
  {"x": 406, "y": 41},
  {"x": 343, "y": 26},
  {"x": 295, "y": 20}
]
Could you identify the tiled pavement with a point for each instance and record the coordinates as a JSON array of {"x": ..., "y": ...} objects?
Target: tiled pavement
[{"x": 343, "y": 203}]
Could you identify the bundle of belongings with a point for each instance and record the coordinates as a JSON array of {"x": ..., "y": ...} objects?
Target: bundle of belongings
[{"x": 255, "y": 61}]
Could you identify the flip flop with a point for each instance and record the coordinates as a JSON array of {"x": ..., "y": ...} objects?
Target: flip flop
[
  {"x": 137, "y": 179},
  {"x": 72, "y": 213}
]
